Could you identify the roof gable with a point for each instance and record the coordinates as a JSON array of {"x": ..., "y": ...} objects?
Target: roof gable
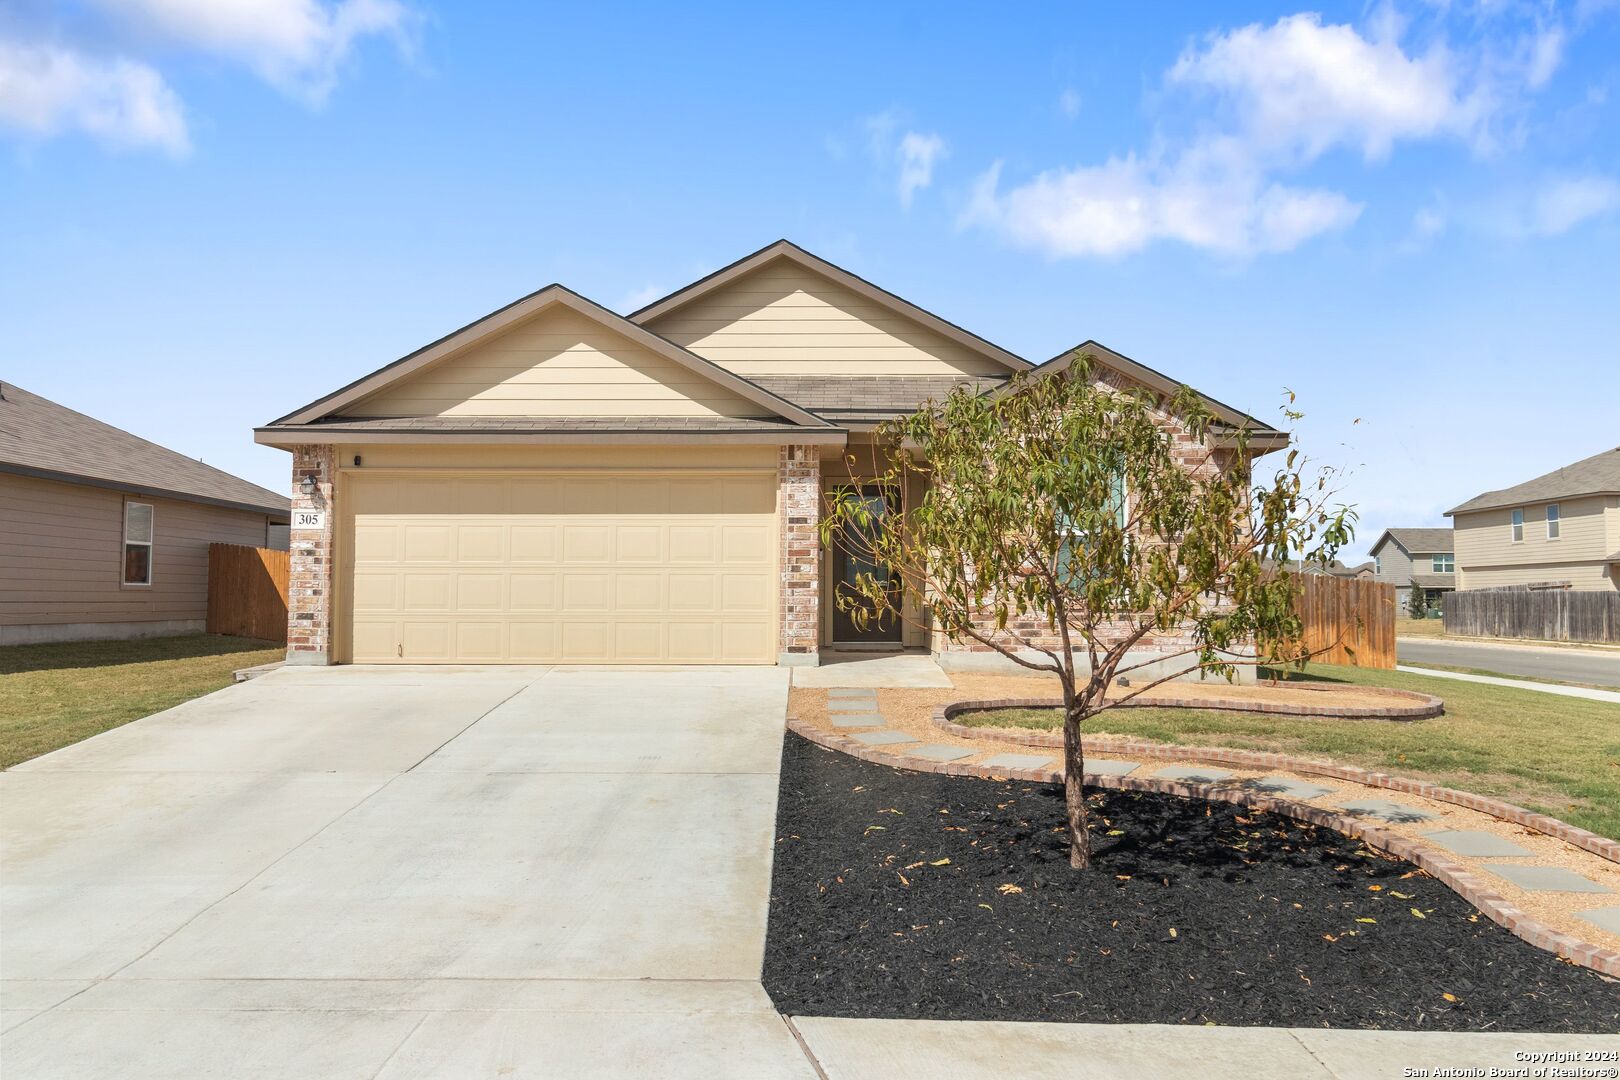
[
  {"x": 548, "y": 354},
  {"x": 40, "y": 438},
  {"x": 1418, "y": 541},
  {"x": 785, "y": 311}
]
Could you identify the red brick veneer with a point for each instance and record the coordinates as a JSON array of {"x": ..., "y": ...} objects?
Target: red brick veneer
[{"x": 1470, "y": 886}]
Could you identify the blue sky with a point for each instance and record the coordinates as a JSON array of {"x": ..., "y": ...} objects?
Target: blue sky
[{"x": 212, "y": 211}]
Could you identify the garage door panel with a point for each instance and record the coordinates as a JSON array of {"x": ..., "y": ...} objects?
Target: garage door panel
[
  {"x": 422, "y": 592},
  {"x": 533, "y": 592},
  {"x": 426, "y": 543},
  {"x": 638, "y": 544},
  {"x": 536, "y": 569}
]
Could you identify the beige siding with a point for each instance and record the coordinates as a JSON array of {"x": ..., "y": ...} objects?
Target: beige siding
[
  {"x": 783, "y": 319},
  {"x": 1487, "y": 557},
  {"x": 558, "y": 363},
  {"x": 61, "y": 555}
]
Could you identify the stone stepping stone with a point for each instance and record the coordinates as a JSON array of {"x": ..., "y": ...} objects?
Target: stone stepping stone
[
  {"x": 1287, "y": 786},
  {"x": 882, "y": 738},
  {"x": 942, "y": 752},
  {"x": 1017, "y": 761},
  {"x": 843, "y": 693},
  {"x": 1547, "y": 879},
  {"x": 1193, "y": 774},
  {"x": 858, "y": 720},
  {"x": 851, "y": 706},
  {"x": 1479, "y": 844},
  {"x": 1604, "y": 918},
  {"x": 1384, "y": 810},
  {"x": 1110, "y": 768}
]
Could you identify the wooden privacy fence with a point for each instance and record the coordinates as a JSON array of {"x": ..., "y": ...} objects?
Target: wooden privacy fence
[
  {"x": 1544, "y": 614},
  {"x": 247, "y": 592},
  {"x": 1348, "y": 620}
]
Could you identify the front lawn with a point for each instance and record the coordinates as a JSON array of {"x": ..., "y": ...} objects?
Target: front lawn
[
  {"x": 54, "y": 695},
  {"x": 1558, "y": 755}
]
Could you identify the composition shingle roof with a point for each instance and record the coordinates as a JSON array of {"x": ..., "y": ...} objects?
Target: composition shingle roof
[
  {"x": 40, "y": 438},
  {"x": 871, "y": 396},
  {"x": 1596, "y": 475},
  {"x": 1423, "y": 541},
  {"x": 1435, "y": 581}
]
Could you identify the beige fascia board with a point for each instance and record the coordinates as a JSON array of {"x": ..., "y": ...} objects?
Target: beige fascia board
[
  {"x": 531, "y": 305},
  {"x": 288, "y": 438},
  {"x": 784, "y": 249}
]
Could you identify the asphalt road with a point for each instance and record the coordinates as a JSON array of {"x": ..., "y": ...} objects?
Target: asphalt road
[{"x": 1558, "y": 665}]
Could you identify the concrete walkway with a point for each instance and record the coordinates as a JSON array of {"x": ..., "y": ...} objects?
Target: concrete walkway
[
  {"x": 1585, "y": 692},
  {"x": 389, "y": 873}
]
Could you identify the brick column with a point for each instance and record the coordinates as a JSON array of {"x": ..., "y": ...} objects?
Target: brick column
[
  {"x": 798, "y": 481},
  {"x": 309, "y": 586}
]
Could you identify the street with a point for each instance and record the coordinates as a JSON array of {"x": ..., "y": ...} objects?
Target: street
[{"x": 1591, "y": 666}]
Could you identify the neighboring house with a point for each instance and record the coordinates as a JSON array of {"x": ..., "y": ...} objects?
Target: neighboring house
[
  {"x": 556, "y": 482},
  {"x": 1561, "y": 530},
  {"x": 1335, "y": 569},
  {"x": 1416, "y": 558},
  {"x": 105, "y": 535}
]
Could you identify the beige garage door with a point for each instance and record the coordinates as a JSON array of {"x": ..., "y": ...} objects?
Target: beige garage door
[{"x": 574, "y": 568}]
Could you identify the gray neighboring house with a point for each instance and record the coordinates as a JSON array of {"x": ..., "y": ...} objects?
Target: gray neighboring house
[
  {"x": 1416, "y": 558},
  {"x": 104, "y": 534}
]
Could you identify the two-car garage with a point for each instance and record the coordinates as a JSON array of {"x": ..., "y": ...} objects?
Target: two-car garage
[{"x": 557, "y": 566}]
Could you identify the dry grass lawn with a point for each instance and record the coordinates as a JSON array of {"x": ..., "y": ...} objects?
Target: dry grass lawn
[{"x": 54, "y": 695}]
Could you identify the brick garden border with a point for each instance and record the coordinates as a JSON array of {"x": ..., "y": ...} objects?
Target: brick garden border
[
  {"x": 1421, "y": 706},
  {"x": 1470, "y": 886},
  {"x": 1601, "y": 846}
]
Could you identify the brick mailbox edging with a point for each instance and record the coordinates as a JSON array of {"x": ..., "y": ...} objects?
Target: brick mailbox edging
[
  {"x": 1454, "y": 875},
  {"x": 1601, "y": 846}
]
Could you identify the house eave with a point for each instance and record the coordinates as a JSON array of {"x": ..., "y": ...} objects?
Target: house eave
[
  {"x": 288, "y": 438},
  {"x": 280, "y": 515}
]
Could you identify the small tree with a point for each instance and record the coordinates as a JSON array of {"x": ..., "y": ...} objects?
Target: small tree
[
  {"x": 1064, "y": 523},
  {"x": 1417, "y": 602}
]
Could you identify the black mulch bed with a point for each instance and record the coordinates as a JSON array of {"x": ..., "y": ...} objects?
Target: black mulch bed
[{"x": 1194, "y": 912}]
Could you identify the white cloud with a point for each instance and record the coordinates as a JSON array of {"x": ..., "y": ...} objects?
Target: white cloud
[
  {"x": 918, "y": 153},
  {"x": 1069, "y": 103},
  {"x": 1125, "y": 204},
  {"x": 46, "y": 90},
  {"x": 1284, "y": 95},
  {"x": 296, "y": 45},
  {"x": 1563, "y": 204},
  {"x": 636, "y": 299},
  {"x": 1428, "y": 222},
  {"x": 1298, "y": 86}
]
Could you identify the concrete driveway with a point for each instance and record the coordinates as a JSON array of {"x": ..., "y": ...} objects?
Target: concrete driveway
[{"x": 371, "y": 872}]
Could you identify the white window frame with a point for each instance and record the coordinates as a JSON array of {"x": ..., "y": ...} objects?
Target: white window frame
[
  {"x": 1516, "y": 517},
  {"x": 1378, "y": 564},
  {"x": 149, "y": 544},
  {"x": 1441, "y": 563},
  {"x": 1555, "y": 523}
]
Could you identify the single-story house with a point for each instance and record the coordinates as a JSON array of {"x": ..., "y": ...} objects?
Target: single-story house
[
  {"x": 104, "y": 534},
  {"x": 556, "y": 482},
  {"x": 1559, "y": 531},
  {"x": 1416, "y": 559}
]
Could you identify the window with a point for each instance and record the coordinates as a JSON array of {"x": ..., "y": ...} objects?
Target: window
[
  {"x": 1518, "y": 526},
  {"x": 1378, "y": 564},
  {"x": 1444, "y": 563},
  {"x": 1552, "y": 521},
  {"x": 1076, "y": 534},
  {"x": 137, "y": 543}
]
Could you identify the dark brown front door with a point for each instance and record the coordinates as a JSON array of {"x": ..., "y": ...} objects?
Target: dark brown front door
[{"x": 846, "y": 568}]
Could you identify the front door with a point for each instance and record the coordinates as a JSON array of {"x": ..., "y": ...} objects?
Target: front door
[{"x": 846, "y": 568}]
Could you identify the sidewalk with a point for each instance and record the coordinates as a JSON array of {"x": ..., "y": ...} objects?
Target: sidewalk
[{"x": 1519, "y": 684}]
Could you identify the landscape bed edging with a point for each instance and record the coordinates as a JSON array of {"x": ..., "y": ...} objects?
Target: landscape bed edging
[
  {"x": 1601, "y": 846},
  {"x": 1455, "y": 876}
]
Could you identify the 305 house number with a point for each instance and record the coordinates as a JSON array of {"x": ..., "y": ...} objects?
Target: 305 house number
[{"x": 309, "y": 519}]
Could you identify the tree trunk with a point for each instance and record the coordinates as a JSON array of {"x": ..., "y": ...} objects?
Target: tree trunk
[{"x": 1074, "y": 796}]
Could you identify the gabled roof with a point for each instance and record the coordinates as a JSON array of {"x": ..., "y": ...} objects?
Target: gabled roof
[
  {"x": 1596, "y": 475},
  {"x": 785, "y": 249},
  {"x": 496, "y": 321},
  {"x": 1418, "y": 541},
  {"x": 1157, "y": 380},
  {"x": 866, "y": 400},
  {"x": 40, "y": 438}
]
